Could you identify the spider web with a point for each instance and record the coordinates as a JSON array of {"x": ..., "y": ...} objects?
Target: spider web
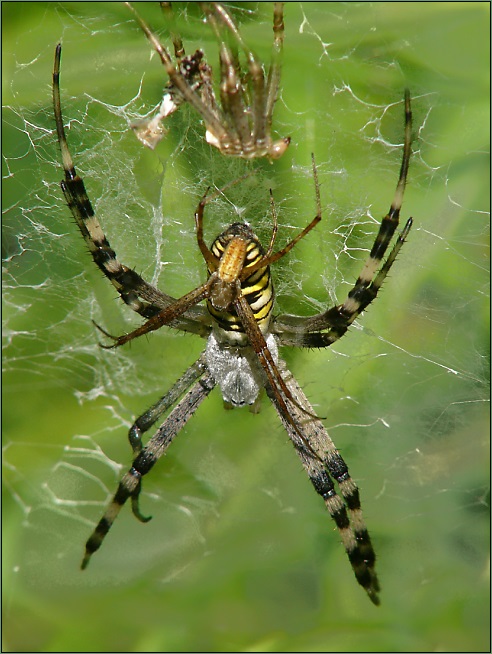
[{"x": 404, "y": 393}]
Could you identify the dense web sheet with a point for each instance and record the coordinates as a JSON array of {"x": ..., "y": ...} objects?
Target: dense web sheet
[{"x": 404, "y": 392}]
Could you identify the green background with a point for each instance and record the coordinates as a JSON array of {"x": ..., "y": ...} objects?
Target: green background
[{"x": 241, "y": 555}]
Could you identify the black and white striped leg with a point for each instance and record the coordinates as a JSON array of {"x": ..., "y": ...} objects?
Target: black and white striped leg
[
  {"x": 130, "y": 485},
  {"x": 347, "y": 513},
  {"x": 144, "y": 422},
  {"x": 323, "y": 469},
  {"x": 140, "y": 296},
  {"x": 325, "y": 328}
]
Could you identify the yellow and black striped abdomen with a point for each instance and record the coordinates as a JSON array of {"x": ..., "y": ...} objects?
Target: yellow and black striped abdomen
[{"x": 257, "y": 288}]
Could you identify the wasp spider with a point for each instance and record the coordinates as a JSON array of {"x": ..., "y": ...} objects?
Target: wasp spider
[
  {"x": 240, "y": 126},
  {"x": 241, "y": 355}
]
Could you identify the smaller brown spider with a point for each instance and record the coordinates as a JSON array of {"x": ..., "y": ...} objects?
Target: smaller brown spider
[{"x": 240, "y": 125}]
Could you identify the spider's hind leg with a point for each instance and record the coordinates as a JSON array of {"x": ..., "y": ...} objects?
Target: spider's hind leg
[
  {"x": 347, "y": 514},
  {"x": 353, "y": 530},
  {"x": 129, "y": 486},
  {"x": 324, "y": 465},
  {"x": 135, "y": 505}
]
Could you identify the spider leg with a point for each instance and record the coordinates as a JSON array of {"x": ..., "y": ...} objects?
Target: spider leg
[
  {"x": 309, "y": 332},
  {"x": 164, "y": 317},
  {"x": 252, "y": 119},
  {"x": 193, "y": 70},
  {"x": 273, "y": 80},
  {"x": 210, "y": 259},
  {"x": 275, "y": 149},
  {"x": 130, "y": 485},
  {"x": 167, "y": 10},
  {"x": 140, "y": 296},
  {"x": 180, "y": 82},
  {"x": 293, "y": 330},
  {"x": 232, "y": 97},
  {"x": 259, "y": 345},
  {"x": 269, "y": 258},
  {"x": 325, "y": 466},
  {"x": 274, "y": 226},
  {"x": 259, "y": 119},
  {"x": 144, "y": 422},
  {"x": 151, "y": 131}
]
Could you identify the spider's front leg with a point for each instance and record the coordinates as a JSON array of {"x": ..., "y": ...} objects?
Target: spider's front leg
[
  {"x": 140, "y": 296},
  {"x": 323, "y": 329},
  {"x": 164, "y": 317}
]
